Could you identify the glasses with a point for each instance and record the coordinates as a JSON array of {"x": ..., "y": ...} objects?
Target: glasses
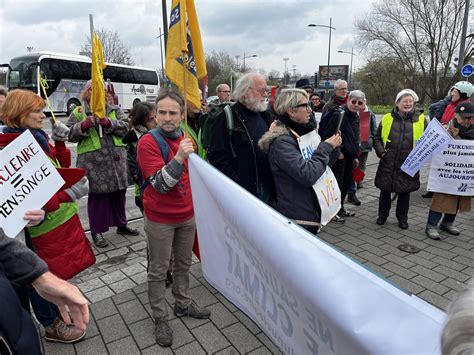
[
  {"x": 305, "y": 105},
  {"x": 262, "y": 91},
  {"x": 355, "y": 102},
  {"x": 341, "y": 89},
  {"x": 226, "y": 91},
  {"x": 315, "y": 99}
]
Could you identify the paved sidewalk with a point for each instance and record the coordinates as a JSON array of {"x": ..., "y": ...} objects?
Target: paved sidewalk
[{"x": 116, "y": 285}]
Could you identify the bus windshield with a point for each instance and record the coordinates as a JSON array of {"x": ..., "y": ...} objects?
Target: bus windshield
[{"x": 23, "y": 73}]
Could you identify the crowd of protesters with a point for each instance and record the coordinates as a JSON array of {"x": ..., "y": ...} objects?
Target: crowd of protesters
[{"x": 253, "y": 143}]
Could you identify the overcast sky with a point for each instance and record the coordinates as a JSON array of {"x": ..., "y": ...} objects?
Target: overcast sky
[{"x": 272, "y": 30}]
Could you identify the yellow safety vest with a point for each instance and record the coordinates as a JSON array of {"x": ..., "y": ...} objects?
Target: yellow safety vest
[{"x": 418, "y": 128}]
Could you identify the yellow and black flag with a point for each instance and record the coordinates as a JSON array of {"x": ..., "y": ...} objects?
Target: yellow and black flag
[
  {"x": 98, "y": 65},
  {"x": 184, "y": 47}
]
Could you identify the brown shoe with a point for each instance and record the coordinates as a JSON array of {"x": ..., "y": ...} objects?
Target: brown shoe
[{"x": 60, "y": 332}]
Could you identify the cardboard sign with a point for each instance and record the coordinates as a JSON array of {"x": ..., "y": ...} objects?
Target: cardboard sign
[{"x": 27, "y": 181}]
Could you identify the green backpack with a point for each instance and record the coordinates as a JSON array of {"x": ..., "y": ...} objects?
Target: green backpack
[{"x": 208, "y": 120}]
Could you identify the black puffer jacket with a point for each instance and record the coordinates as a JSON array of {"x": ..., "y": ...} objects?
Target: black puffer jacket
[
  {"x": 389, "y": 177},
  {"x": 294, "y": 177}
]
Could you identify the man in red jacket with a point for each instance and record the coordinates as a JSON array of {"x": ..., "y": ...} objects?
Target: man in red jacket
[{"x": 169, "y": 214}]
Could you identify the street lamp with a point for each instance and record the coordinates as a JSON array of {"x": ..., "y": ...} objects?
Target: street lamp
[
  {"x": 329, "y": 46},
  {"x": 248, "y": 56},
  {"x": 350, "y": 69},
  {"x": 285, "y": 75}
]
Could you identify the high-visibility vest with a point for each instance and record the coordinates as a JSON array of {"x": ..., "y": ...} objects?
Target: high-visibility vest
[
  {"x": 92, "y": 142},
  {"x": 418, "y": 128}
]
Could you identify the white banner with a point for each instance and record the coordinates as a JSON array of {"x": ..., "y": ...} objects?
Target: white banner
[
  {"x": 27, "y": 181},
  {"x": 434, "y": 139},
  {"x": 452, "y": 171},
  {"x": 306, "y": 296},
  {"x": 326, "y": 187}
]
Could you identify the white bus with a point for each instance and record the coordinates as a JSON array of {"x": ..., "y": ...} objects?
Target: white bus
[{"x": 67, "y": 74}]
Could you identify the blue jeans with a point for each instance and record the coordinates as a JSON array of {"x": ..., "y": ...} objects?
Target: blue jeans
[
  {"x": 45, "y": 312},
  {"x": 435, "y": 217}
]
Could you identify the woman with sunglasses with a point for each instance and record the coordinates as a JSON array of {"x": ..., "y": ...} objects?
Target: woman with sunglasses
[
  {"x": 294, "y": 176},
  {"x": 396, "y": 136}
]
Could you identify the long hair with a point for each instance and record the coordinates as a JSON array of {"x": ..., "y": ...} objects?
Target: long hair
[
  {"x": 243, "y": 85},
  {"x": 18, "y": 105}
]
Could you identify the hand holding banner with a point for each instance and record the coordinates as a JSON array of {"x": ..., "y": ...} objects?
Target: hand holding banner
[{"x": 434, "y": 139}]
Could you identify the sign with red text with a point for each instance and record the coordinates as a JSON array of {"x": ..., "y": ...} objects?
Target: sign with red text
[
  {"x": 326, "y": 187},
  {"x": 27, "y": 181}
]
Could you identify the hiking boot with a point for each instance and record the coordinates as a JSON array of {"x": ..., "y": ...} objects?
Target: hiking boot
[
  {"x": 126, "y": 230},
  {"x": 99, "y": 240},
  {"x": 346, "y": 213},
  {"x": 163, "y": 333},
  {"x": 193, "y": 310},
  {"x": 428, "y": 194},
  {"x": 60, "y": 332},
  {"x": 448, "y": 227},
  {"x": 352, "y": 198},
  {"x": 432, "y": 232},
  {"x": 381, "y": 221},
  {"x": 403, "y": 224}
]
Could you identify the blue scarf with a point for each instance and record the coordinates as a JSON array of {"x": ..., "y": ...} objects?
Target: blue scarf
[{"x": 40, "y": 135}]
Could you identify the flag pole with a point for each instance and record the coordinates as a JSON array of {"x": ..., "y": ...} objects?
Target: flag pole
[
  {"x": 91, "y": 25},
  {"x": 185, "y": 64}
]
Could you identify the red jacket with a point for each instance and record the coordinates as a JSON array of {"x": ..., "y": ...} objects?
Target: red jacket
[
  {"x": 177, "y": 205},
  {"x": 65, "y": 248}
]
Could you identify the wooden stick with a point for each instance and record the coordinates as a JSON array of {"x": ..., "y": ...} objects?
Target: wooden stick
[{"x": 185, "y": 65}]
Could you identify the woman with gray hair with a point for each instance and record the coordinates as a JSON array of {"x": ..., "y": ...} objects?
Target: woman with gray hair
[{"x": 294, "y": 176}]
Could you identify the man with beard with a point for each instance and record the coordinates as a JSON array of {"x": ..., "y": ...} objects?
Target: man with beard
[{"x": 235, "y": 152}]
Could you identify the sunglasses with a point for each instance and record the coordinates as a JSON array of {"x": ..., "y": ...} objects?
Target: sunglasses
[
  {"x": 355, "y": 102},
  {"x": 307, "y": 106}
]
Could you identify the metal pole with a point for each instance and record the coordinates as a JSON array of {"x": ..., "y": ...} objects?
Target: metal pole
[
  {"x": 350, "y": 69},
  {"x": 329, "y": 47},
  {"x": 463, "y": 37},
  {"x": 162, "y": 64},
  {"x": 91, "y": 25},
  {"x": 165, "y": 21}
]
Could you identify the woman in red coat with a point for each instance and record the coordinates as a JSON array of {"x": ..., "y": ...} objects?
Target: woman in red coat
[{"x": 60, "y": 239}]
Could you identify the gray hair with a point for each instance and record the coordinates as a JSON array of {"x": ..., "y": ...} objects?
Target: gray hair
[
  {"x": 220, "y": 87},
  {"x": 288, "y": 99},
  {"x": 357, "y": 94},
  {"x": 163, "y": 93},
  {"x": 339, "y": 82},
  {"x": 243, "y": 85},
  {"x": 458, "y": 332}
]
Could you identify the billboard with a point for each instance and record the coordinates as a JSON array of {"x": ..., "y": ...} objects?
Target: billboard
[{"x": 328, "y": 77}]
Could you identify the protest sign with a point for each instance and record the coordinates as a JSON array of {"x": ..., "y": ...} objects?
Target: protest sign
[
  {"x": 306, "y": 296},
  {"x": 434, "y": 139},
  {"x": 27, "y": 181},
  {"x": 452, "y": 171},
  {"x": 326, "y": 187}
]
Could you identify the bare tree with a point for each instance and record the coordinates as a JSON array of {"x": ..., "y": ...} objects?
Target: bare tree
[
  {"x": 114, "y": 49},
  {"x": 423, "y": 35},
  {"x": 220, "y": 68}
]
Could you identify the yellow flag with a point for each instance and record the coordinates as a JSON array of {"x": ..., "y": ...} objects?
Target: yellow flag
[
  {"x": 184, "y": 36},
  {"x": 98, "y": 92}
]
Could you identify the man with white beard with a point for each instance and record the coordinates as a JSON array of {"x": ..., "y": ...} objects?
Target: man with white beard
[{"x": 235, "y": 151}]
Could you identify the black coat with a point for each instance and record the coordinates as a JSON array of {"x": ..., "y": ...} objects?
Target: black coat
[
  {"x": 242, "y": 168},
  {"x": 295, "y": 177},
  {"x": 390, "y": 177}
]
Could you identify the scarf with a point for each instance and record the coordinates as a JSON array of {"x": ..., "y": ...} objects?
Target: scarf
[
  {"x": 173, "y": 135},
  {"x": 40, "y": 136},
  {"x": 299, "y": 128}
]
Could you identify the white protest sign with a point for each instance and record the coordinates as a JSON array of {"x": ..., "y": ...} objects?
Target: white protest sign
[
  {"x": 305, "y": 295},
  {"x": 326, "y": 187},
  {"x": 434, "y": 139},
  {"x": 27, "y": 181},
  {"x": 452, "y": 171}
]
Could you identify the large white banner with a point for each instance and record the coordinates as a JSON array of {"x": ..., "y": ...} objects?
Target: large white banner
[
  {"x": 27, "y": 181},
  {"x": 306, "y": 296},
  {"x": 326, "y": 187},
  {"x": 452, "y": 171},
  {"x": 434, "y": 139}
]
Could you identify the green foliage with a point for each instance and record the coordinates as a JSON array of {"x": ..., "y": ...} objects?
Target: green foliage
[{"x": 220, "y": 69}]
